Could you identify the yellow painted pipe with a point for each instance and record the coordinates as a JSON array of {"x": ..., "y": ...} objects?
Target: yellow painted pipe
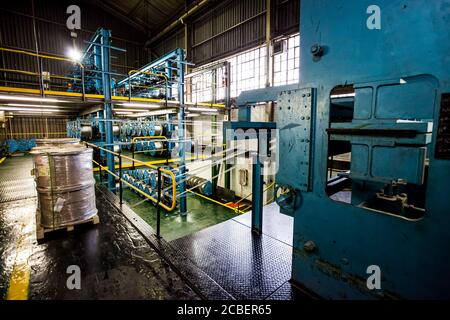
[{"x": 2, "y": 160}]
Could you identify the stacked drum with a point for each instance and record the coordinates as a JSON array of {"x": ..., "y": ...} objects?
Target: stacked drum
[{"x": 64, "y": 182}]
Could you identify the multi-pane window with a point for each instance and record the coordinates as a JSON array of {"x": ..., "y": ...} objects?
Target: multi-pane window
[
  {"x": 248, "y": 72},
  {"x": 286, "y": 65}
]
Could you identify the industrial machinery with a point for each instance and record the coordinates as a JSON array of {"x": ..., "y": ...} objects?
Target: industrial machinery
[{"x": 364, "y": 159}]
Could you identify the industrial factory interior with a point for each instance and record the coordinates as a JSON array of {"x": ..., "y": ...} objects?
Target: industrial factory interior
[{"x": 232, "y": 150}]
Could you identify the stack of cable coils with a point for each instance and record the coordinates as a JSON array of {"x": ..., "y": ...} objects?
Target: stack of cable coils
[{"x": 65, "y": 185}]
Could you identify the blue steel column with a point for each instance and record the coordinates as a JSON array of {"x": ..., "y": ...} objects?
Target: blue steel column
[
  {"x": 105, "y": 40},
  {"x": 257, "y": 197},
  {"x": 181, "y": 131}
]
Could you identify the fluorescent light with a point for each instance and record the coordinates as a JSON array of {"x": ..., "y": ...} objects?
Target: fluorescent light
[
  {"x": 28, "y": 109},
  {"x": 35, "y": 112},
  {"x": 202, "y": 109},
  {"x": 31, "y": 105},
  {"x": 192, "y": 115},
  {"x": 141, "y": 105},
  {"x": 74, "y": 54},
  {"x": 341, "y": 96},
  {"x": 153, "y": 113},
  {"x": 129, "y": 110},
  {"x": 123, "y": 112},
  {"x": 16, "y": 98}
]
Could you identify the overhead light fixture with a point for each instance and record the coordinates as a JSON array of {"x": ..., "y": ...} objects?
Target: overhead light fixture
[
  {"x": 17, "y": 98},
  {"x": 192, "y": 115},
  {"x": 29, "y": 109},
  {"x": 74, "y": 54},
  {"x": 35, "y": 112},
  {"x": 129, "y": 110},
  {"x": 32, "y": 105},
  {"x": 141, "y": 105},
  {"x": 202, "y": 109},
  {"x": 123, "y": 113},
  {"x": 154, "y": 113}
]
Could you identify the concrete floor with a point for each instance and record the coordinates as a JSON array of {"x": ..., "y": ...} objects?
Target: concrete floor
[{"x": 115, "y": 261}]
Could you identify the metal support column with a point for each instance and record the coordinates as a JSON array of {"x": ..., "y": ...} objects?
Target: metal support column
[
  {"x": 181, "y": 132},
  {"x": 257, "y": 197},
  {"x": 227, "y": 80},
  {"x": 105, "y": 41}
]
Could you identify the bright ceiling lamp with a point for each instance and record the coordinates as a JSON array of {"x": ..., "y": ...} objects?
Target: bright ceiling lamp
[
  {"x": 129, "y": 110},
  {"x": 35, "y": 112},
  {"x": 202, "y": 109},
  {"x": 32, "y": 105},
  {"x": 141, "y": 105},
  {"x": 16, "y": 98},
  {"x": 28, "y": 109},
  {"x": 154, "y": 113},
  {"x": 74, "y": 54}
]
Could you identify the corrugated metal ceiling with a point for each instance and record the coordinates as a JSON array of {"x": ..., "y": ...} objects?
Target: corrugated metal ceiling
[{"x": 149, "y": 15}]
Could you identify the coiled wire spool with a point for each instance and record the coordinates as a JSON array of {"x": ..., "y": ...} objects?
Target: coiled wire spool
[
  {"x": 116, "y": 130},
  {"x": 56, "y": 142},
  {"x": 117, "y": 148},
  {"x": 156, "y": 148},
  {"x": 144, "y": 130},
  {"x": 201, "y": 185},
  {"x": 129, "y": 129},
  {"x": 138, "y": 129},
  {"x": 133, "y": 130},
  {"x": 86, "y": 132},
  {"x": 65, "y": 185}
]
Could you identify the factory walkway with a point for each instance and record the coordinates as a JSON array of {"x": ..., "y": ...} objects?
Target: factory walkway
[
  {"x": 121, "y": 258},
  {"x": 114, "y": 260}
]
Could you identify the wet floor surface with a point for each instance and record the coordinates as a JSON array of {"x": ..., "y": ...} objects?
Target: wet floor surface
[
  {"x": 15, "y": 218},
  {"x": 114, "y": 259},
  {"x": 115, "y": 262}
]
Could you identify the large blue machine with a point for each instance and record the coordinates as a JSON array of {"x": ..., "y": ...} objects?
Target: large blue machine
[{"x": 364, "y": 144}]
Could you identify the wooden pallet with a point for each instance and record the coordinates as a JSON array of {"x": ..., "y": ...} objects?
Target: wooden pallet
[{"x": 41, "y": 231}]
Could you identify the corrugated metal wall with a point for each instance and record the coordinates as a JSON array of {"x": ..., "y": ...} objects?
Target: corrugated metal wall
[
  {"x": 230, "y": 27},
  {"x": 16, "y": 31},
  {"x": 234, "y": 26},
  {"x": 34, "y": 127}
]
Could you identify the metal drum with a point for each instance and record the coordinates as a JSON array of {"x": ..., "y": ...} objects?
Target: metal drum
[
  {"x": 56, "y": 142},
  {"x": 65, "y": 185}
]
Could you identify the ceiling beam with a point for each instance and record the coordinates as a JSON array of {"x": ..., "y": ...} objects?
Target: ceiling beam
[{"x": 121, "y": 15}]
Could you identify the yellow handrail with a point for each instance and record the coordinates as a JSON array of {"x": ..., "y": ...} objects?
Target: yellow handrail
[
  {"x": 148, "y": 138},
  {"x": 29, "y": 73},
  {"x": 41, "y": 55}
]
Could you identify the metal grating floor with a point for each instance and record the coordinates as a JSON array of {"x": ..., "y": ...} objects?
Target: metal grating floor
[
  {"x": 247, "y": 266},
  {"x": 16, "y": 182}
]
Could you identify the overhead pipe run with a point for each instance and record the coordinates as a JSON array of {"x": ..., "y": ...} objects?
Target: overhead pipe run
[{"x": 191, "y": 11}]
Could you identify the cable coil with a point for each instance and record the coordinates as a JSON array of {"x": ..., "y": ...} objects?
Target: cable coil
[{"x": 65, "y": 185}]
